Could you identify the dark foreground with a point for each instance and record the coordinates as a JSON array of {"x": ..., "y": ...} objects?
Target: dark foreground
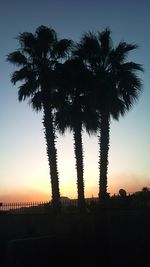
[{"x": 106, "y": 237}]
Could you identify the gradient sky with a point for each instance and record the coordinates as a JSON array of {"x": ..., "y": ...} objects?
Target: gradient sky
[{"x": 24, "y": 173}]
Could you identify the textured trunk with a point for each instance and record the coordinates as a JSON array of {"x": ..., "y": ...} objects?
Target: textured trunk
[
  {"x": 78, "y": 149},
  {"x": 104, "y": 148},
  {"x": 52, "y": 155}
]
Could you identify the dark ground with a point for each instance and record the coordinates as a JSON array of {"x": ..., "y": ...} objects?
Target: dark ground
[{"x": 105, "y": 237}]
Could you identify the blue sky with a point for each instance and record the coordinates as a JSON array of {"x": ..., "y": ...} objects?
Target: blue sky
[{"x": 24, "y": 172}]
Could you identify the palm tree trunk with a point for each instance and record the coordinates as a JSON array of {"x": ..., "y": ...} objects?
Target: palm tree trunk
[
  {"x": 104, "y": 149},
  {"x": 52, "y": 155},
  {"x": 78, "y": 149}
]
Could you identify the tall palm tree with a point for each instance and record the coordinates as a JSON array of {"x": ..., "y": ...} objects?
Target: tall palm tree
[
  {"x": 37, "y": 59},
  {"x": 75, "y": 113},
  {"x": 115, "y": 84}
]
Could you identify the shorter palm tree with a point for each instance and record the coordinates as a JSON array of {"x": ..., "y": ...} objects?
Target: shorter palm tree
[{"x": 75, "y": 113}]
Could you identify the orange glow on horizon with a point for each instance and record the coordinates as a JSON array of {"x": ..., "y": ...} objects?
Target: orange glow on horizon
[
  {"x": 25, "y": 197},
  {"x": 37, "y": 192},
  {"x": 42, "y": 196}
]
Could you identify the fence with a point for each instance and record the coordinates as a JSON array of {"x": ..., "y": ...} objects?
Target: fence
[
  {"x": 23, "y": 207},
  {"x": 38, "y": 207},
  {"x": 42, "y": 207}
]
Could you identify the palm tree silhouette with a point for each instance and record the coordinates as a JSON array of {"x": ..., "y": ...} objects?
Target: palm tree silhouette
[
  {"x": 37, "y": 59},
  {"x": 115, "y": 87},
  {"x": 74, "y": 112}
]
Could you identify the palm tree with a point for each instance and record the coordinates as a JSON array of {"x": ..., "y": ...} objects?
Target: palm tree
[
  {"x": 37, "y": 59},
  {"x": 116, "y": 87},
  {"x": 75, "y": 113}
]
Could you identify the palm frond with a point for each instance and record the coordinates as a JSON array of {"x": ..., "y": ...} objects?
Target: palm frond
[
  {"x": 27, "y": 42},
  {"x": 37, "y": 101},
  {"x": 120, "y": 53},
  {"x": 61, "y": 120},
  {"x": 17, "y": 58},
  {"x": 105, "y": 41},
  {"x": 47, "y": 34},
  {"x": 131, "y": 90},
  {"x": 117, "y": 108},
  {"x": 131, "y": 66},
  {"x": 26, "y": 90},
  {"x": 90, "y": 121},
  {"x": 20, "y": 75},
  {"x": 46, "y": 38},
  {"x": 88, "y": 46},
  {"x": 62, "y": 48}
]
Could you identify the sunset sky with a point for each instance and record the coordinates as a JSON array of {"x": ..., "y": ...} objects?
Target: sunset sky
[{"x": 24, "y": 172}]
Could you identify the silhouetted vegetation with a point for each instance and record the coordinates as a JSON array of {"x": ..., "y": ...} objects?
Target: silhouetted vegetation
[
  {"x": 78, "y": 86},
  {"x": 94, "y": 84},
  {"x": 115, "y": 87},
  {"x": 37, "y": 59},
  {"x": 75, "y": 112}
]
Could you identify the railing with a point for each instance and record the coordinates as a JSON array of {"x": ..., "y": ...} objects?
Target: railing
[
  {"x": 43, "y": 207},
  {"x": 23, "y": 207},
  {"x": 38, "y": 207}
]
